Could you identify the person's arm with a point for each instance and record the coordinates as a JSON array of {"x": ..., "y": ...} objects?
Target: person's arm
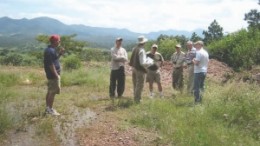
[
  {"x": 115, "y": 57},
  {"x": 54, "y": 71},
  {"x": 61, "y": 52},
  {"x": 196, "y": 60}
]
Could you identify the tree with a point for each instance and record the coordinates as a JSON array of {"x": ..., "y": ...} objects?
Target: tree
[
  {"x": 253, "y": 19},
  {"x": 194, "y": 37},
  {"x": 214, "y": 32},
  {"x": 71, "y": 46}
]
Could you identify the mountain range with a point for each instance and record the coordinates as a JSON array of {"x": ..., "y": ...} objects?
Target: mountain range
[{"x": 19, "y": 32}]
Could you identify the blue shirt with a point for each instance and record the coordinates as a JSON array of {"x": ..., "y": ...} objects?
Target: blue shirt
[
  {"x": 203, "y": 57},
  {"x": 51, "y": 57}
]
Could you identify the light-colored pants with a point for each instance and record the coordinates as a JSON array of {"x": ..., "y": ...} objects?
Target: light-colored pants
[
  {"x": 138, "y": 84},
  {"x": 190, "y": 84}
]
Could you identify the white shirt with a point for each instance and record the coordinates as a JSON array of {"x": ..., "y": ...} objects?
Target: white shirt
[
  {"x": 119, "y": 57},
  {"x": 202, "y": 57}
]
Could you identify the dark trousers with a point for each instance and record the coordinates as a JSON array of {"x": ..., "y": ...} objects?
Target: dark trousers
[
  {"x": 199, "y": 79},
  {"x": 117, "y": 80}
]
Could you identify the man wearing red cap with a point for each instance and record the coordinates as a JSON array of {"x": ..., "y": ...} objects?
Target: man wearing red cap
[{"x": 52, "y": 69}]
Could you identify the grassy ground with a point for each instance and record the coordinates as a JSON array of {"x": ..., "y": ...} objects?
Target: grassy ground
[{"x": 229, "y": 115}]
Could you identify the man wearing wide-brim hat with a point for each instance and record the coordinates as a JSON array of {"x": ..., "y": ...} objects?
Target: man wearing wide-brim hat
[
  {"x": 178, "y": 61},
  {"x": 139, "y": 63}
]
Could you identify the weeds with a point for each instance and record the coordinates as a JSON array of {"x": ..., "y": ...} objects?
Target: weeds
[{"x": 228, "y": 116}]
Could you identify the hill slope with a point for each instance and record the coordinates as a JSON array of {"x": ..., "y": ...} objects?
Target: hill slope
[{"x": 18, "y": 32}]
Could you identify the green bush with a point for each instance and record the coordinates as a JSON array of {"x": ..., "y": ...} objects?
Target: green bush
[
  {"x": 239, "y": 49},
  {"x": 12, "y": 59},
  {"x": 71, "y": 62}
]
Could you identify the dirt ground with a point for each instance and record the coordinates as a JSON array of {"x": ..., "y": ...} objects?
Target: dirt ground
[{"x": 105, "y": 131}]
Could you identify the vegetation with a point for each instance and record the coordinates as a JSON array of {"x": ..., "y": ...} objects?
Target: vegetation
[
  {"x": 229, "y": 114},
  {"x": 214, "y": 33},
  {"x": 239, "y": 49}
]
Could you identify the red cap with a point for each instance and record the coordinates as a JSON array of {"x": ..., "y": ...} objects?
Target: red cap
[{"x": 54, "y": 38}]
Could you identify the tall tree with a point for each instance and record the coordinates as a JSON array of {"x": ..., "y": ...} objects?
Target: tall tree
[
  {"x": 214, "y": 32},
  {"x": 194, "y": 37},
  {"x": 253, "y": 19}
]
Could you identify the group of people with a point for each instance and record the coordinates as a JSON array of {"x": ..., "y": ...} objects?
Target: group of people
[
  {"x": 149, "y": 63},
  {"x": 142, "y": 63}
]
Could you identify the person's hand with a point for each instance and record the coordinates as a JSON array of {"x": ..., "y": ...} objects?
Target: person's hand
[{"x": 61, "y": 51}]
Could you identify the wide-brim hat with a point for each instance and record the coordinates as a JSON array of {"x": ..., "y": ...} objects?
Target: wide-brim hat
[
  {"x": 142, "y": 40},
  {"x": 178, "y": 46},
  {"x": 119, "y": 39}
]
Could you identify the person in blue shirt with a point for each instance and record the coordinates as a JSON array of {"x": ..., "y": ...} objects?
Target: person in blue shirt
[{"x": 52, "y": 69}]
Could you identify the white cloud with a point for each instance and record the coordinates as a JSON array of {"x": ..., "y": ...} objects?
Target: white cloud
[{"x": 137, "y": 15}]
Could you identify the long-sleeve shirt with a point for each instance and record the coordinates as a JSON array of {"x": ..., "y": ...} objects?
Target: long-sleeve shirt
[
  {"x": 119, "y": 57},
  {"x": 178, "y": 59}
]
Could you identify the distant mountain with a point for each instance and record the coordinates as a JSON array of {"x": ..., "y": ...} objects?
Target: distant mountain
[{"x": 19, "y": 32}]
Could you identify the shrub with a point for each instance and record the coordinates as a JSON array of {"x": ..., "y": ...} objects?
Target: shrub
[
  {"x": 12, "y": 59},
  {"x": 71, "y": 62},
  {"x": 238, "y": 50}
]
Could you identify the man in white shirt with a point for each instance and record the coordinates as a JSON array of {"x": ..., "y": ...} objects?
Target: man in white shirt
[
  {"x": 139, "y": 63},
  {"x": 200, "y": 70},
  {"x": 117, "y": 76}
]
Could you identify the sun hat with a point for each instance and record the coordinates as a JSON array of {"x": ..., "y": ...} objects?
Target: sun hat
[
  {"x": 119, "y": 39},
  {"x": 142, "y": 40},
  {"x": 178, "y": 46},
  {"x": 155, "y": 46}
]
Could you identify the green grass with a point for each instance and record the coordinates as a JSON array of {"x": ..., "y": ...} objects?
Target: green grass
[{"x": 228, "y": 116}]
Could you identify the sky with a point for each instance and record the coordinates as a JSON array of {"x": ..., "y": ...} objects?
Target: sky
[{"x": 141, "y": 16}]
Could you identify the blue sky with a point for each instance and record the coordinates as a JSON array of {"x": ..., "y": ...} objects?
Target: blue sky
[{"x": 136, "y": 15}]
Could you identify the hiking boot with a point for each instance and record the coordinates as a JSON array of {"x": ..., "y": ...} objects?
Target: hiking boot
[
  {"x": 54, "y": 112},
  {"x": 51, "y": 111}
]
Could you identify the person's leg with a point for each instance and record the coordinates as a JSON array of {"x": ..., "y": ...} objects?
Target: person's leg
[
  {"x": 197, "y": 87},
  {"x": 112, "y": 86},
  {"x": 202, "y": 83},
  {"x": 53, "y": 89},
  {"x": 174, "y": 79},
  {"x": 180, "y": 80},
  {"x": 190, "y": 82},
  {"x": 50, "y": 99},
  {"x": 139, "y": 85},
  {"x": 158, "y": 81},
  {"x": 134, "y": 80},
  {"x": 121, "y": 81},
  {"x": 150, "y": 79}
]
